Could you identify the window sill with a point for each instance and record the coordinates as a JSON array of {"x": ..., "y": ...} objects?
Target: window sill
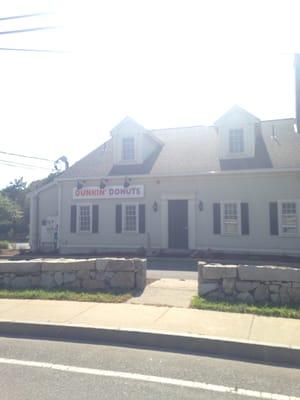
[
  {"x": 231, "y": 234},
  {"x": 233, "y": 156},
  {"x": 289, "y": 235}
]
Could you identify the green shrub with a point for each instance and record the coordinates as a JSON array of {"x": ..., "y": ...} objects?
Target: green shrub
[{"x": 4, "y": 244}]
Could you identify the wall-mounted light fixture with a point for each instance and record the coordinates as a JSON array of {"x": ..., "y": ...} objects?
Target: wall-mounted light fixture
[
  {"x": 200, "y": 205},
  {"x": 103, "y": 183},
  {"x": 155, "y": 206},
  {"x": 126, "y": 182}
]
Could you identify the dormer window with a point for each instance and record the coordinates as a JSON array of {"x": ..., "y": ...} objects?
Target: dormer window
[
  {"x": 237, "y": 132},
  {"x": 128, "y": 148},
  {"x": 132, "y": 145},
  {"x": 236, "y": 141}
]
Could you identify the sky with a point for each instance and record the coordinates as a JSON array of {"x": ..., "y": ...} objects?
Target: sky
[{"x": 164, "y": 63}]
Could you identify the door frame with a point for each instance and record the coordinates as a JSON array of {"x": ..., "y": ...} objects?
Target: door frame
[{"x": 191, "y": 199}]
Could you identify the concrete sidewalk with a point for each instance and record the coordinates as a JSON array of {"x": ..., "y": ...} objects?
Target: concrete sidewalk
[
  {"x": 167, "y": 292},
  {"x": 241, "y": 327}
]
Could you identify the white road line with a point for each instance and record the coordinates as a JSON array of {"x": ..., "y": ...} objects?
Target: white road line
[{"x": 150, "y": 378}]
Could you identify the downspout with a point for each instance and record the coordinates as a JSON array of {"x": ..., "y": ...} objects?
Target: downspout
[
  {"x": 59, "y": 217},
  {"x": 33, "y": 227}
]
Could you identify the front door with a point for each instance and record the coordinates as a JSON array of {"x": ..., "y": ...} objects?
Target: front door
[{"x": 178, "y": 224}]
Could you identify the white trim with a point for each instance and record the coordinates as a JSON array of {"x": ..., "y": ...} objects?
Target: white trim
[
  {"x": 59, "y": 215},
  {"x": 33, "y": 223},
  {"x": 108, "y": 246},
  {"x": 124, "y": 205},
  {"x": 208, "y": 173},
  {"x": 279, "y": 211},
  {"x": 78, "y": 217},
  {"x": 239, "y": 222},
  {"x": 225, "y": 250},
  {"x": 178, "y": 196}
]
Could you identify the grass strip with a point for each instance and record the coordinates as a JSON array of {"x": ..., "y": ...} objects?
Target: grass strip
[
  {"x": 98, "y": 297},
  {"x": 269, "y": 310}
]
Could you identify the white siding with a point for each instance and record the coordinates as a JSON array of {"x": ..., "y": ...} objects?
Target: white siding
[{"x": 256, "y": 189}]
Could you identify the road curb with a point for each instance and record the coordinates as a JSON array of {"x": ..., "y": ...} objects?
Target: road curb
[{"x": 167, "y": 341}]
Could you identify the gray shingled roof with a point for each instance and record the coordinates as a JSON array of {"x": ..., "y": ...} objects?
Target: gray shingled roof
[{"x": 196, "y": 150}]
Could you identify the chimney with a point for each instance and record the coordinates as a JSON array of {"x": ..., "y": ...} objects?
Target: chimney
[{"x": 297, "y": 87}]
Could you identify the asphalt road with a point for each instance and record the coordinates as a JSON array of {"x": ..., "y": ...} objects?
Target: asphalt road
[
  {"x": 153, "y": 274},
  {"x": 172, "y": 268},
  {"x": 44, "y": 370}
]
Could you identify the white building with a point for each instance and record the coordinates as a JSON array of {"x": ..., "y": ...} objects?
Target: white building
[{"x": 231, "y": 187}]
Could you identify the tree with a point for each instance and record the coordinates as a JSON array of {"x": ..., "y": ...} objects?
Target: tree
[
  {"x": 14, "y": 209},
  {"x": 15, "y": 223},
  {"x": 10, "y": 216},
  {"x": 9, "y": 211},
  {"x": 16, "y": 191}
]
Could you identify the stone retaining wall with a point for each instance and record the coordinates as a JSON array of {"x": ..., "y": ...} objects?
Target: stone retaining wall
[
  {"x": 89, "y": 274},
  {"x": 249, "y": 283}
]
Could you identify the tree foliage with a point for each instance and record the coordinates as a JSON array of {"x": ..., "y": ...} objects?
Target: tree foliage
[
  {"x": 9, "y": 210},
  {"x": 14, "y": 210},
  {"x": 14, "y": 206},
  {"x": 16, "y": 191}
]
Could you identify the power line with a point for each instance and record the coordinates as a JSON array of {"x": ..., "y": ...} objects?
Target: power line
[
  {"x": 31, "y": 50},
  {"x": 21, "y": 165},
  {"x": 23, "y": 16},
  {"x": 25, "y": 156},
  {"x": 41, "y": 28},
  {"x": 17, "y": 166},
  {"x": 25, "y": 31}
]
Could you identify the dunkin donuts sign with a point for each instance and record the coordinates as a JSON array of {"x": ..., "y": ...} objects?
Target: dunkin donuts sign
[{"x": 109, "y": 192}]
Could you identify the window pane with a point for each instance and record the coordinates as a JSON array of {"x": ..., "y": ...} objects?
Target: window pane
[
  {"x": 230, "y": 228},
  {"x": 289, "y": 218},
  {"x": 84, "y": 216},
  {"x": 230, "y": 211},
  {"x": 130, "y": 218},
  {"x": 230, "y": 222},
  {"x": 236, "y": 140},
  {"x": 288, "y": 208},
  {"x": 289, "y": 229},
  {"x": 128, "y": 148}
]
